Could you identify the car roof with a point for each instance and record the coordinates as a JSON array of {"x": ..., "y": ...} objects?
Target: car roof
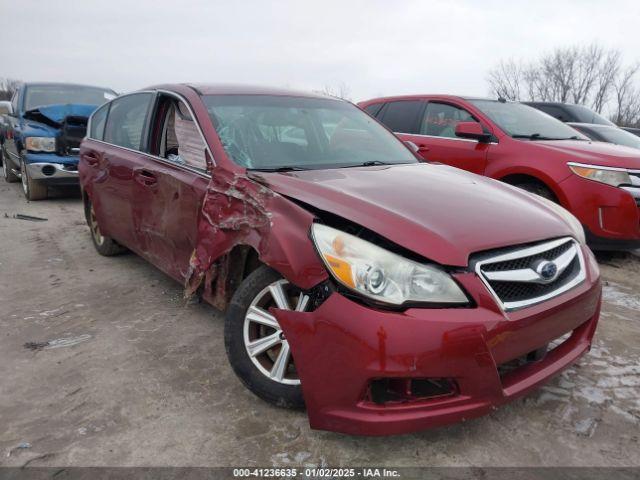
[
  {"x": 63, "y": 84},
  {"x": 240, "y": 89},
  {"x": 417, "y": 96}
]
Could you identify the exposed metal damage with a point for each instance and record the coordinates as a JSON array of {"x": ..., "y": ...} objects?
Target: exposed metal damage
[{"x": 236, "y": 223}]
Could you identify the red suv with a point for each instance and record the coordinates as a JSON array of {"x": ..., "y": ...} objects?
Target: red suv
[
  {"x": 347, "y": 286},
  {"x": 515, "y": 143}
]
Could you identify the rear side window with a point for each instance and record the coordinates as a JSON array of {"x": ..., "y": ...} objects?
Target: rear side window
[
  {"x": 556, "y": 112},
  {"x": 127, "y": 120},
  {"x": 402, "y": 116},
  {"x": 374, "y": 109},
  {"x": 440, "y": 120},
  {"x": 98, "y": 121}
]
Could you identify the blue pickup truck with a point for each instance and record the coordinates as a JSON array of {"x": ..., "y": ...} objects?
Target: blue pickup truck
[{"x": 42, "y": 133}]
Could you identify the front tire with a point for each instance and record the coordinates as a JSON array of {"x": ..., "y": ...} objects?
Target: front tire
[
  {"x": 32, "y": 190},
  {"x": 7, "y": 172},
  {"x": 256, "y": 346},
  {"x": 537, "y": 189}
]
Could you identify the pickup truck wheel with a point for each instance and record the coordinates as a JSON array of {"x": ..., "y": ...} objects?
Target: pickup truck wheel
[
  {"x": 32, "y": 190},
  {"x": 256, "y": 345},
  {"x": 105, "y": 246},
  {"x": 538, "y": 189},
  {"x": 7, "y": 173}
]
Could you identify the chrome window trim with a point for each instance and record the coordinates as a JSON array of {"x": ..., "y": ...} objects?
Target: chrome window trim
[
  {"x": 602, "y": 167},
  {"x": 200, "y": 171},
  {"x": 456, "y": 139},
  {"x": 162, "y": 160},
  {"x": 526, "y": 252}
]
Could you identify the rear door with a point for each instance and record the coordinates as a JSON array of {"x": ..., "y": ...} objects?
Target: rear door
[
  {"x": 113, "y": 162},
  {"x": 169, "y": 189}
]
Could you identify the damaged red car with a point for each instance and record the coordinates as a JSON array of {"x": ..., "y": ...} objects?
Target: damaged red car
[{"x": 383, "y": 294}]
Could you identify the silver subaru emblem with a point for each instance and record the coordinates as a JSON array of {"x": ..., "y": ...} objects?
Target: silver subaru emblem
[{"x": 547, "y": 270}]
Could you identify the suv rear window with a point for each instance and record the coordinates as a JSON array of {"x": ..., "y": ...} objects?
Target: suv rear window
[{"x": 403, "y": 116}]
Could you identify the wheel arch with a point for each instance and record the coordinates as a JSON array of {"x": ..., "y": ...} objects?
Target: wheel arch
[{"x": 533, "y": 176}]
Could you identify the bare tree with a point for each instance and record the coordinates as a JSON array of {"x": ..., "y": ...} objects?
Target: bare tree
[
  {"x": 627, "y": 98},
  {"x": 586, "y": 75},
  {"x": 341, "y": 90},
  {"x": 7, "y": 87}
]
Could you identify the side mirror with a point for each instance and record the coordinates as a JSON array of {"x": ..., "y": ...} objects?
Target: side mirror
[
  {"x": 412, "y": 146},
  {"x": 472, "y": 130},
  {"x": 5, "y": 108}
]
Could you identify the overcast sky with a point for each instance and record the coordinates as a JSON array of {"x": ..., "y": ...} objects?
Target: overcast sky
[{"x": 374, "y": 47}]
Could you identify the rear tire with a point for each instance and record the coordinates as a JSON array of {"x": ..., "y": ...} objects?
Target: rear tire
[
  {"x": 7, "y": 172},
  {"x": 105, "y": 246},
  {"x": 537, "y": 189},
  {"x": 269, "y": 374},
  {"x": 32, "y": 190}
]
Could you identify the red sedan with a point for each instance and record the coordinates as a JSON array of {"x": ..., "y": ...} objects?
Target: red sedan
[
  {"x": 384, "y": 294},
  {"x": 515, "y": 143}
]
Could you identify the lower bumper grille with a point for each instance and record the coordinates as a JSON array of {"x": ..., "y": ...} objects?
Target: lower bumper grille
[{"x": 523, "y": 276}]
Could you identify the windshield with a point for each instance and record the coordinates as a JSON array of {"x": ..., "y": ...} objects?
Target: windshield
[
  {"x": 620, "y": 137},
  {"x": 522, "y": 121},
  {"x": 265, "y": 132},
  {"x": 43, "y": 95},
  {"x": 586, "y": 115}
]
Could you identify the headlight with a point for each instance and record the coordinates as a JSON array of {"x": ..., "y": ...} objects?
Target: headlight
[
  {"x": 382, "y": 275},
  {"x": 41, "y": 144},
  {"x": 567, "y": 216},
  {"x": 603, "y": 175}
]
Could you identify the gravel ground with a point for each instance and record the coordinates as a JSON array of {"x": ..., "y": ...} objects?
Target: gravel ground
[{"x": 131, "y": 376}]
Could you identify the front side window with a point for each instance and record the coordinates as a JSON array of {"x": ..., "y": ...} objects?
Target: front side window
[
  {"x": 98, "y": 121},
  {"x": 402, "y": 116},
  {"x": 440, "y": 120},
  {"x": 525, "y": 122},
  {"x": 43, "y": 95},
  {"x": 278, "y": 132},
  {"x": 181, "y": 140},
  {"x": 586, "y": 115},
  {"x": 127, "y": 120}
]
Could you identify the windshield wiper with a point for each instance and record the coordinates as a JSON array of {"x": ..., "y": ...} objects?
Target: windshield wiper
[
  {"x": 370, "y": 163},
  {"x": 537, "y": 136},
  {"x": 279, "y": 169}
]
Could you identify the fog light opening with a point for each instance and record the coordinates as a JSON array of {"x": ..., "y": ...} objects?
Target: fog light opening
[
  {"x": 402, "y": 390},
  {"x": 48, "y": 170}
]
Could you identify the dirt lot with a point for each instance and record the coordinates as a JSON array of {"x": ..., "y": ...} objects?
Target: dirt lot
[{"x": 132, "y": 376}]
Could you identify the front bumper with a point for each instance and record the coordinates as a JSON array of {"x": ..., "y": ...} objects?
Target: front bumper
[
  {"x": 52, "y": 168},
  {"x": 610, "y": 215},
  {"x": 342, "y": 346}
]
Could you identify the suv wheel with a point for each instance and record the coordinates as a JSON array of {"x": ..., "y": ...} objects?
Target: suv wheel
[
  {"x": 256, "y": 346},
  {"x": 7, "y": 172},
  {"x": 105, "y": 246},
  {"x": 537, "y": 189},
  {"x": 32, "y": 190}
]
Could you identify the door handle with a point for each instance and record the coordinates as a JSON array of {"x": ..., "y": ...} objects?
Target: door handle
[
  {"x": 146, "y": 178},
  {"x": 423, "y": 148},
  {"x": 91, "y": 159}
]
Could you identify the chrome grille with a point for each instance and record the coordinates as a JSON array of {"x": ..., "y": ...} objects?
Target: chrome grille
[{"x": 523, "y": 276}]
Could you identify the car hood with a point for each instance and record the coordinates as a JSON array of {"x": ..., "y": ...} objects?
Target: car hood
[
  {"x": 57, "y": 113},
  {"x": 439, "y": 212},
  {"x": 595, "y": 153}
]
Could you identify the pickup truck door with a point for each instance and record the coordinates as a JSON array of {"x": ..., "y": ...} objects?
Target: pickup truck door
[{"x": 13, "y": 130}]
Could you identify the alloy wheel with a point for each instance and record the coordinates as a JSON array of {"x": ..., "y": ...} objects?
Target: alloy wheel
[
  {"x": 264, "y": 340},
  {"x": 95, "y": 228},
  {"x": 23, "y": 177}
]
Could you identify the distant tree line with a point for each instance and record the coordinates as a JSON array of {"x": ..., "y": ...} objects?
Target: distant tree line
[
  {"x": 590, "y": 75},
  {"x": 7, "y": 87}
]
